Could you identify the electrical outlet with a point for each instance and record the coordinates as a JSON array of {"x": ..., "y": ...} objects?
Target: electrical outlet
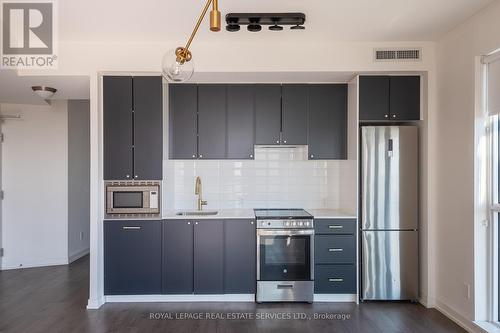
[
  {"x": 467, "y": 290},
  {"x": 81, "y": 235}
]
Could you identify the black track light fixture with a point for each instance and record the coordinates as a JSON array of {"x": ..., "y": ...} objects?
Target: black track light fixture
[{"x": 255, "y": 21}]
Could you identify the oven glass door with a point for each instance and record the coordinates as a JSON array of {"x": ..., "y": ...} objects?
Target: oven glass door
[{"x": 284, "y": 257}]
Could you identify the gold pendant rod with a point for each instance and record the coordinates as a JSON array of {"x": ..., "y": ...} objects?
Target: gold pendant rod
[{"x": 195, "y": 30}]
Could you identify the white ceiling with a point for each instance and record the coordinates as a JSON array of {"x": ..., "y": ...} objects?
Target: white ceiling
[
  {"x": 17, "y": 89},
  {"x": 327, "y": 20}
]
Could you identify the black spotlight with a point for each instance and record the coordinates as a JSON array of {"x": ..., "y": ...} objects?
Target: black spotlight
[
  {"x": 297, "y": 27},
  {"x": 232, "y": 27},
  {"x": 254, "y": 27},
  {"x": 275, "y": 27}
]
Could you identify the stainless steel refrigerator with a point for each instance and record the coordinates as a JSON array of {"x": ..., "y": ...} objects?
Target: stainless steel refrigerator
[{"x": 389, "y": 213}]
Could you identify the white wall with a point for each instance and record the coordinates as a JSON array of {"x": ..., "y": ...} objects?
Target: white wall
[
  {"x": 35, "y": 181},
  {"x": 78, "y": 178},
  {"x": 453, "y": 137}
]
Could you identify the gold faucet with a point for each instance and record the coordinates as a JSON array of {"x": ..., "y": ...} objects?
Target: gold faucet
[{"x": 197, "y": 191}]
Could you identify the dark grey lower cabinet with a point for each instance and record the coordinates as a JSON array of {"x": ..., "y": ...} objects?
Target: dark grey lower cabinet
[
  {"x": 335, "y": 256},
  {"x": 239, "y": 257},
  {"x": 177, "y": 257},
  {"x": 209, "y": 257},
  {"x": 132, "y": 257}
]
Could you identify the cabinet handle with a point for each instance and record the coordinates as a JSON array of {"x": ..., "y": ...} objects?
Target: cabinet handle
[
  {"x": 251, "y": 222},
  {"x": 196, "y": 223},
  {"x": 194, "y": 156},
  {"x": 335, "y": 226},
  {"x": 335, "y": 280},
  {"x": 284, "y": 141},
  {"x": 386, "y": 116},
  {"x": 335, "y": 250},
  {"x": 189, "y": 222},
  {"x": 131, "y": 228},
  {"x": 277, "y": 141},
  {"x": 285, "y": 286},
  {"x": 393, "y": 116},
  {"x": 201, "y": 156},
  {"x": 136, "y": 176},
  {"x": 127, "y": 176},
  {"x": 251, "y": 155},
  {"x": 311, "y": 156}
]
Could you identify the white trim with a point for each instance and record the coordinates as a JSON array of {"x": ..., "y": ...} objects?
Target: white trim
[
  {"x": 95, "y": 304},
  {"x": 463, "y": 322},
  {"x": 180, "y": 298},
  {"x": 492, "y": 57},
  {"x": 55, "y": 262},
  {"x": 78, "y": 255},
  {"x": 489, "y": 327},
  {"x": 336, "y": 298}
]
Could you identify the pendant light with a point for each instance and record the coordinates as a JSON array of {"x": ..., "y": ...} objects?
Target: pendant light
[{"x": 178, "y": 65}]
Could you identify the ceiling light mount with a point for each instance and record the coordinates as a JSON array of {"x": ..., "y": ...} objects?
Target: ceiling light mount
[
  {"x": 255, "y": 21},
  {"x": 44, "y": 92}
]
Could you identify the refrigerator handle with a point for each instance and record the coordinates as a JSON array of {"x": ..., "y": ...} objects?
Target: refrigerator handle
[{"x": 390, "y": 151}]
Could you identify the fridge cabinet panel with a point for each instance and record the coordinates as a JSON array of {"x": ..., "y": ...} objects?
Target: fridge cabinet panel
[
  {"x": 390, "y": 265},
  {"x": 389, "y": 179}
]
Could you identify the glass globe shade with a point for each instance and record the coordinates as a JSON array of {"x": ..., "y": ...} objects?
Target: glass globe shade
[{"x": 175, "y": 71}]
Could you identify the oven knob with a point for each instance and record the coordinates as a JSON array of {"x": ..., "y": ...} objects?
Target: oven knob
[
  {"x": 285, "y": 271},
  {"x": 263, "y": 223},
  {"x": 300, "y": 224},
  {"x": 293, "y": 224},
  {"x": 287, "y": 224},
  {"x": 307, "y": 224}
]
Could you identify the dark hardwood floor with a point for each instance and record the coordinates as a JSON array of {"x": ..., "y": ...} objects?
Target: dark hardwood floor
[{"x": 53, "y": 299}]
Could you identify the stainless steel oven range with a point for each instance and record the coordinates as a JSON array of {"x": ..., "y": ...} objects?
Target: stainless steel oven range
[{"x": 285, "y": 255}]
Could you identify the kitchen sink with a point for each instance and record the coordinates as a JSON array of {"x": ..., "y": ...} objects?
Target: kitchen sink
[{"x": 197, "y": 213}]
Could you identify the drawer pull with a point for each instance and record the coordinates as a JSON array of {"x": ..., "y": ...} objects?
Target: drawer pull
[
  {"x": 335, "y": 226},
  {"x": 335, "y": 280},
  {"x": 335, "y": 250},
  {"x": 285, "y": 286},
  {"x": 131, "y": 228}
]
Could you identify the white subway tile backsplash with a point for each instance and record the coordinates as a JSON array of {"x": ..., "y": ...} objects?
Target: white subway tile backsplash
[{"x": 278, "y": 177}]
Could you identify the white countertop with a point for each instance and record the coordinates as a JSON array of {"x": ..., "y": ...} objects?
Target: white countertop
[
  {"x": 222, "y": 214},
  {"x": 249, "y": 214},
  {"x": 330, "y": 214}
]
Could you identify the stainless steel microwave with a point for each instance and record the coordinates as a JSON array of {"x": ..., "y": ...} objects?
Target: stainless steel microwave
[{"x": 132, "y": 198}]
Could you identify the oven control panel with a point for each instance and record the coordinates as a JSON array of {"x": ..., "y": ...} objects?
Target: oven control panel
[{"x": 285, "y": 224}]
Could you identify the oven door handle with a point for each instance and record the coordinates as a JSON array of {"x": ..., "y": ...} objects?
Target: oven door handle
[{"x": 274, "y": 232}]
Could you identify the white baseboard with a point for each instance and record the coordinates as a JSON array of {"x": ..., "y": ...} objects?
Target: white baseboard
[
  {"x": 179, "y": 298},
  {"x": 78, "y": 255},
  {"x": 460, "y": 320},
  {"x": 341, "y": 298},
  {"x": 55, "y": 262},
  {"x": 94, "y": 304}
]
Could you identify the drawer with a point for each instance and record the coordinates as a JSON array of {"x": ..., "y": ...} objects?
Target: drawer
[
  {"x": 335, "y": 249},
  {"x": 335, "y": 279},
  {"x": 335, "y": 226}
]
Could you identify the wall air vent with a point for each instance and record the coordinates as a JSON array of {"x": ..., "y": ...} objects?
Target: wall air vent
[{"x": 409, "y": 54}]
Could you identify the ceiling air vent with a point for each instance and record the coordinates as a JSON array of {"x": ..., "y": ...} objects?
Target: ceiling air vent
[{"x": 413, "y": 54}]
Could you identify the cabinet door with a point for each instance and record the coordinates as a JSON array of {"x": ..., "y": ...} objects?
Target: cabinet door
[
  {"x": 405, "y": 98},
  {"x": 294, "y": 114},
  {"x": 117, "y": 104},
  {"x": 183, "y": 108},
  {"x": 177, "y": 257},
  {"x": 327, "y": 133},
  {"x": 132, "y": 257},
  {"x": 374, "y": 98},
  {"x": 240, "y": 121},
  {"x": 209, "y": 257},
  {"x": 240, "y": 257},
  {"x": 267, "y": 114},
  {"x": 211, "y": 121},
  {"x": 148, "y": 127}
]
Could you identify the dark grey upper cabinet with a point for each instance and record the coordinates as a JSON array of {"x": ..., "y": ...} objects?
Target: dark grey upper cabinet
[
  {"x": 148, "y": 127},
  {"x": 211, "y": 121},
  {"x": 240, "y": 258},
  {"x": 327, "y": 125},
  {"x": 209, "y": 257},
  {"x": 177, "y": 257},
  {"x": 389, "y": 98},
  {"x": 294, "y": 114},
  {"x": 240, "y": 121},
  {"x": 117, "y": 103},
  {"x": 374, "y": 97},
  {"x": 267, "y": 114},
  {"x": 405, "y": 98},
  {"x": 132, "y": 257},
  {"x": 183, "y": 109}
]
